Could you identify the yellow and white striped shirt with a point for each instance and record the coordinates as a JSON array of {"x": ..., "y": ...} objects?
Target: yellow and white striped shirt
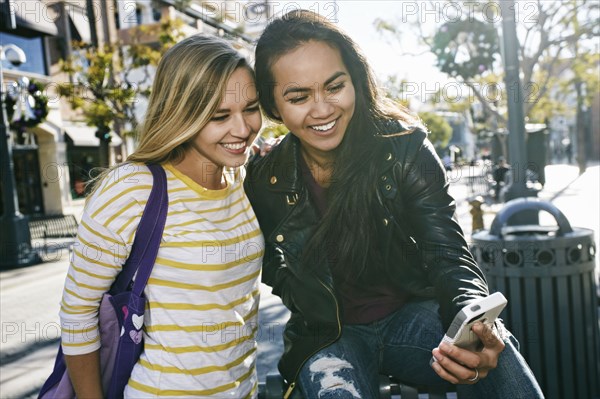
[{"x": 200, "y": 322}]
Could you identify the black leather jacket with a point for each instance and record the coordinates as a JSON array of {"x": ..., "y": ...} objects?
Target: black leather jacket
[{"x": 414, "y": 207}]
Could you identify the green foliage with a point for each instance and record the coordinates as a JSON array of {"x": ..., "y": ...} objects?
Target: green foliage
[
  {"x": 394, "y": 89},
  {"x": 103, "y": 88},
  {"x": 440, "y": 131},
  {"x": 548, "y": 106},
  {"x": 383, "y": 25},
  {"x": 274, "y": 130},
  {"x": 585, "y": 69}
]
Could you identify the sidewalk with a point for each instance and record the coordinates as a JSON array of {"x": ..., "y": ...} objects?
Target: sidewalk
[{"x": 29, "y": 297}]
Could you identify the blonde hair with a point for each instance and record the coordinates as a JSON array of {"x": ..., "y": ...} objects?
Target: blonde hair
[{"x": 188, "y": 87}]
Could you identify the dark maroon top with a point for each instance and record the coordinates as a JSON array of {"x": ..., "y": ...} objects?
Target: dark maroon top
[{"x": 361, "y": 302}]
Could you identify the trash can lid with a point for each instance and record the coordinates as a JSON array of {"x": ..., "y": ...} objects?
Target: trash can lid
[
  {"x": 518, "y": 205},
  {"x": 528, "y": 229}
]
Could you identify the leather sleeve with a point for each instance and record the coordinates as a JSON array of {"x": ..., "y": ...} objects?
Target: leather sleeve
[
  {"x": 430, "y": 211},
  {"x": 275, "y": 272},
  {"x": 276, "y": 275}
]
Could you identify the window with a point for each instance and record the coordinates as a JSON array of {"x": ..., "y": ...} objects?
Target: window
[
  {"x": 34, "y": 51},
  {"x": 138, "y": 15}
]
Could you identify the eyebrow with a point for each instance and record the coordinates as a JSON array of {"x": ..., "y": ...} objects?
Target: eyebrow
[
  {"x": 305, "y": 89},
  {"x": 227, "y": 110}
]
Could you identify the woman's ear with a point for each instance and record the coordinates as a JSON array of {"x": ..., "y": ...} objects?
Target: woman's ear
[{"x": 276, "y": 113}]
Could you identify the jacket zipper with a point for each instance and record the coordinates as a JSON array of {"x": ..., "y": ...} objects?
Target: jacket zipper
[{"x": 290, "y": 389}]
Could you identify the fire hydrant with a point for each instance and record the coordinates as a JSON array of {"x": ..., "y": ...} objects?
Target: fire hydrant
[{"x": 477, "y": 213}]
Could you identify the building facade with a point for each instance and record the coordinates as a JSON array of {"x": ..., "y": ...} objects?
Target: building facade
[{"x": 52, "y": 160}]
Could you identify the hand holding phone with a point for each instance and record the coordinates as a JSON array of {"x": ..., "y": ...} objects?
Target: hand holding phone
[{"x": 485, "y": 310}]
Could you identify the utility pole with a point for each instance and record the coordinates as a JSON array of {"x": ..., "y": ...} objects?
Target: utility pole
[
  {"x": 517, "y": 187},
  {"x": 516, "y": 117}
]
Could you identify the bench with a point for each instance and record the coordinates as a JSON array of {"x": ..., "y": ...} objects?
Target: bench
[
  {"x": 52, "y": 226},
  {"x": 273, "y": 388}
]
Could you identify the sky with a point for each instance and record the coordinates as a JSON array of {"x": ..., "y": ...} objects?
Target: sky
[{"x": 385, "y": 54}]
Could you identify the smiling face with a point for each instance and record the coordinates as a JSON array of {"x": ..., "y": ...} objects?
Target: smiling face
[
  {"x": 314, "y": 97},
  {"x": 225, "y": 141}
]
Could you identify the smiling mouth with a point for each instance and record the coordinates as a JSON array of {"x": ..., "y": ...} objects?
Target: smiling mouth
[
  {"x": 235, "y": 147},
  {"x": 325, "y": 127}
]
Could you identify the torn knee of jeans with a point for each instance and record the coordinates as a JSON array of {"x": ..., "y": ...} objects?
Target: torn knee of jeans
[{"x": 328, "y": 371}]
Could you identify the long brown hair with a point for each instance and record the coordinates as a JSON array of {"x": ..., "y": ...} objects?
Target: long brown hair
[{"x": 347, "y": 231}]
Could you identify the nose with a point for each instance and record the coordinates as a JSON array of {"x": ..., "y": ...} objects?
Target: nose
[
  {"x": 242, "y": 127},
  {"x": 322, "y": 108}
]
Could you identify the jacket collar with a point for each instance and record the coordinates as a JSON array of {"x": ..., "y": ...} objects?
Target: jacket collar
[
  {"x": 389, "y": 129},
  {"x": 284, "y": 166}
]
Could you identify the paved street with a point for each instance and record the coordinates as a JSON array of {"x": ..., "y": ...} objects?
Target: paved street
[
  {"x": 29, "y": 297},
  {"x": 29, "y": 301}
]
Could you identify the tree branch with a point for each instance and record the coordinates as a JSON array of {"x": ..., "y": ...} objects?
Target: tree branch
[
  {"x": 486, "y": 103},
  {"x": 530, "y": 105}
]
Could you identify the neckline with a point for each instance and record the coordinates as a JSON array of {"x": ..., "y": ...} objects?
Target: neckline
[{"x": 203, "y": 191}]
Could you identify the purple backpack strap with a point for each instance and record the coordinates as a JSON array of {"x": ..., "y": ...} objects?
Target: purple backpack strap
[
  {"x": 147, "y": 237},
  {"x": 141, "y": 259}
]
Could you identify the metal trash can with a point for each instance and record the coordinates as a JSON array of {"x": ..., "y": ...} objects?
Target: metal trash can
[{"x": 548, "y": 277}]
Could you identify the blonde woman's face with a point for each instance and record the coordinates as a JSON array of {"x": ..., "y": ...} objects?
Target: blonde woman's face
[{"x": 226, "y": 140}]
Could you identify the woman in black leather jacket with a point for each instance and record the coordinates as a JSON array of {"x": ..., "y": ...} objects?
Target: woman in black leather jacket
[{"x": 361, "y": 241}]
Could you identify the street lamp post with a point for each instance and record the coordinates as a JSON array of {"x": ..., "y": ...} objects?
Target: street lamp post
[
  {"x": 517, "y": 188},
  {"x": 516, "y": 117},
  {"x": 15, "y": 240}
]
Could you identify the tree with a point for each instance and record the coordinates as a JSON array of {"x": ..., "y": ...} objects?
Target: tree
[
  {"x": 395, "y": 90},
  {"x": 109, "y": 80},
  {"x": 547, "y": 30},
  {"x": 586, "y": 83},
  {"x": 440, "y": 131}
]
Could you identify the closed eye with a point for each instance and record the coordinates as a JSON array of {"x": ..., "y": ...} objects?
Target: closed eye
[
  {"x": 336, "y": 88},
  {"x": 252, "y": 109},
  {"x": 297, "y": 99},
  {"x": 219, "y": 118}
]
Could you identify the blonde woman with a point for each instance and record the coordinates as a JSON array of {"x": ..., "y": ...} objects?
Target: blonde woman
[{"x": 201, "y": 315}]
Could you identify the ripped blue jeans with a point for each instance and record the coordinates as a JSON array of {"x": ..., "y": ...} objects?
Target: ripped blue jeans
[{"x": 400, "y": 345}]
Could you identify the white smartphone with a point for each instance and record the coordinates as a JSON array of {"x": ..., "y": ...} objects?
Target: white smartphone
[{"x": 485, "y": 310}]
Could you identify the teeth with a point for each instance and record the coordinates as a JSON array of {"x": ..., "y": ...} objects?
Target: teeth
[
  {"x": 234, "y": 146},
  {"x": 323, "y": 128}
]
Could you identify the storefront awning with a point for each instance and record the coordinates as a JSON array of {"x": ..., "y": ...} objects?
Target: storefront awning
[
  {"x": 79, "y": 25},
  {"x": 32, "y": 17},
  {"x": 85, "y": 136}
]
